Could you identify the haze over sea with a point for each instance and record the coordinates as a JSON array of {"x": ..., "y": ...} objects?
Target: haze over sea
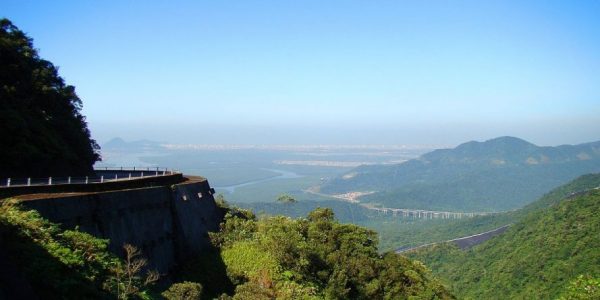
[{"x": 334, "y": 72}]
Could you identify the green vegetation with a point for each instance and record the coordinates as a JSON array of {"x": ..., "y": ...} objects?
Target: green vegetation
[
  {"x": 286, "y": 199},
  {"x": 309, "y": 258},
  {"x": 183, "y": 291},
  {"x": 398, "y": 233},
  {"x": 497, "y": 175},
  {"x": 45, "y": 133},
  {"x": 582, "y": 288},
  {"x": 66, "y": 264},
  {"x": 401, "y": 233},
  {"x": 537, "y": 257}
]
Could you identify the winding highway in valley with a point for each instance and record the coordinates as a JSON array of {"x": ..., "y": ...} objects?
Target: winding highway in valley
[
  {"x": 463, "y": 242},
  {"x": 402, "y": 212}
]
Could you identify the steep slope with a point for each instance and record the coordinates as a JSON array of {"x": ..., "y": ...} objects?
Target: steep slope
[
  {"x": 497, "y": 175},
  {"x": 535, "y": 258}
]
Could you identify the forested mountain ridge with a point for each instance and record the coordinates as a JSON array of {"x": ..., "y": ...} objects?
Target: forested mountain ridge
[
  {"x": 496, "y": 175},
  {"x": 535, "y": 259},
  {"x": 436, "y": 231},
  {"x": 44, "y": 132},
  {"x": 512, "y": 151}
]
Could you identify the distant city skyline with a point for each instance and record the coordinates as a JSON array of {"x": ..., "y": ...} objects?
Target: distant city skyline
[{"x": 326, "y": 72}]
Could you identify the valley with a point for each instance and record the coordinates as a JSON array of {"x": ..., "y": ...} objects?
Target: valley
[
  {"x": 300, "y": 150},
  {"x": 253, "y": 177}
]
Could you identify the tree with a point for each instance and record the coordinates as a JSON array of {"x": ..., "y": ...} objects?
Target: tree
[
  {"x": 286, "y": 199},
  {"x": 44, "y": 132},
  {"x": 183, "y": 291},
  {"x": 582, "y": 288},
  {"x": 316, "y": 258},
  {"x": 127, "y": 280}
]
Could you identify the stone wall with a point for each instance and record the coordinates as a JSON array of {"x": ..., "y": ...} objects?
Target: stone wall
[{"x": 168, "y": 223}]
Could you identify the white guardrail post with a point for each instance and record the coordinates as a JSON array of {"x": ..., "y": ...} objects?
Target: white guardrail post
[
  {"x": 8, "y": 182},
  {"x": 49, "y": 180}
]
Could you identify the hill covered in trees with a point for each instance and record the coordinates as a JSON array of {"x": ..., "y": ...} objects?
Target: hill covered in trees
[
  {"x": 554, "y": 242},
  {"x": 44, "y": 133},
  {"x": 407, "y": 235},
  {"x": 497, "y": 175},
  {"x": 270, "y": 258},
  {"x": 315, "y": 257}
]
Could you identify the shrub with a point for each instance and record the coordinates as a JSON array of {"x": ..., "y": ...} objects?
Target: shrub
[{"x": 183, "y": 291}]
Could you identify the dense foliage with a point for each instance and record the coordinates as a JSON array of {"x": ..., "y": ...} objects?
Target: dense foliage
[
  {"x": 399, "y": 233},
  {"x": 44, "y": 132},
  {"x": 395, "y": 235},
  {"x": 396, "y": 232},
  {"x": 536, "y": 258},
  {"x": 497, "y": 175},
  {"x": 315, "y": 258},
  {"x": 582, "y": 288},
  {"x": 183, "y": 291},
  {"x": 53, "y": 263}
]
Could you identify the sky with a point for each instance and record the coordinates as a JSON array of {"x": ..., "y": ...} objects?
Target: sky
[{"x": 326, "y": 72}]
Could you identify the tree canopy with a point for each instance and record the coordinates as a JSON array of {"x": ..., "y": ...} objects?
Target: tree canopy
[
  {"x": 315, "y": 258},
  {"x": 44, "y": 132},
  {"x": 286, "y": 199},
  {"x": 536, "y": 258}
]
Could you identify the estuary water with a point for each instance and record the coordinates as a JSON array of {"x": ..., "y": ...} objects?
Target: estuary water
[{"x": 282, "y": 175}]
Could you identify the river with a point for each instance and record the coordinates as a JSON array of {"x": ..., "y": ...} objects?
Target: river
[{"x": 282, "y": 175}]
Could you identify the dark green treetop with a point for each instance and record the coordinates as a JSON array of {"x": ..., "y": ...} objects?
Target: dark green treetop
[{"x": 43, "y": 130}]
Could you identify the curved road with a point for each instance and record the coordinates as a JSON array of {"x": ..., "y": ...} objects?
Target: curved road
[{"x": 465, "y": 241}]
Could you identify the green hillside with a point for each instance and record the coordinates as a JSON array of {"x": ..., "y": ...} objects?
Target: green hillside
[
  {"x": 536, "y": 258},
  {"x": 40, "y": 260},
  {"x": 44, "y": 132},
  {"x": 315, "y": 257},
  {"x": 269, "y": 258},
  {"x": 398, "y": 233},
  {"x": 497, "y": 175}
]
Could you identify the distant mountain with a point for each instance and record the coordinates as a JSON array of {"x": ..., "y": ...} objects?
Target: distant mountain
[
  {"x": 555, "y": 240},
  {"x": 496, "y": 175}
]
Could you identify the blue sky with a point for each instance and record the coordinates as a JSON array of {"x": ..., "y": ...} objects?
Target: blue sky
[{"x": 328, "y": 72}]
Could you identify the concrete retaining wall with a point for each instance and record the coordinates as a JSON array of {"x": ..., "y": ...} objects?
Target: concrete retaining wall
[{"x": 168, "y": 223}]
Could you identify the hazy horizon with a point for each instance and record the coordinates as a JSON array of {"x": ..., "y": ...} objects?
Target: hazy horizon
[
  {"x": 430, "y": 137},
  {"x": 340, "y": 72}
]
